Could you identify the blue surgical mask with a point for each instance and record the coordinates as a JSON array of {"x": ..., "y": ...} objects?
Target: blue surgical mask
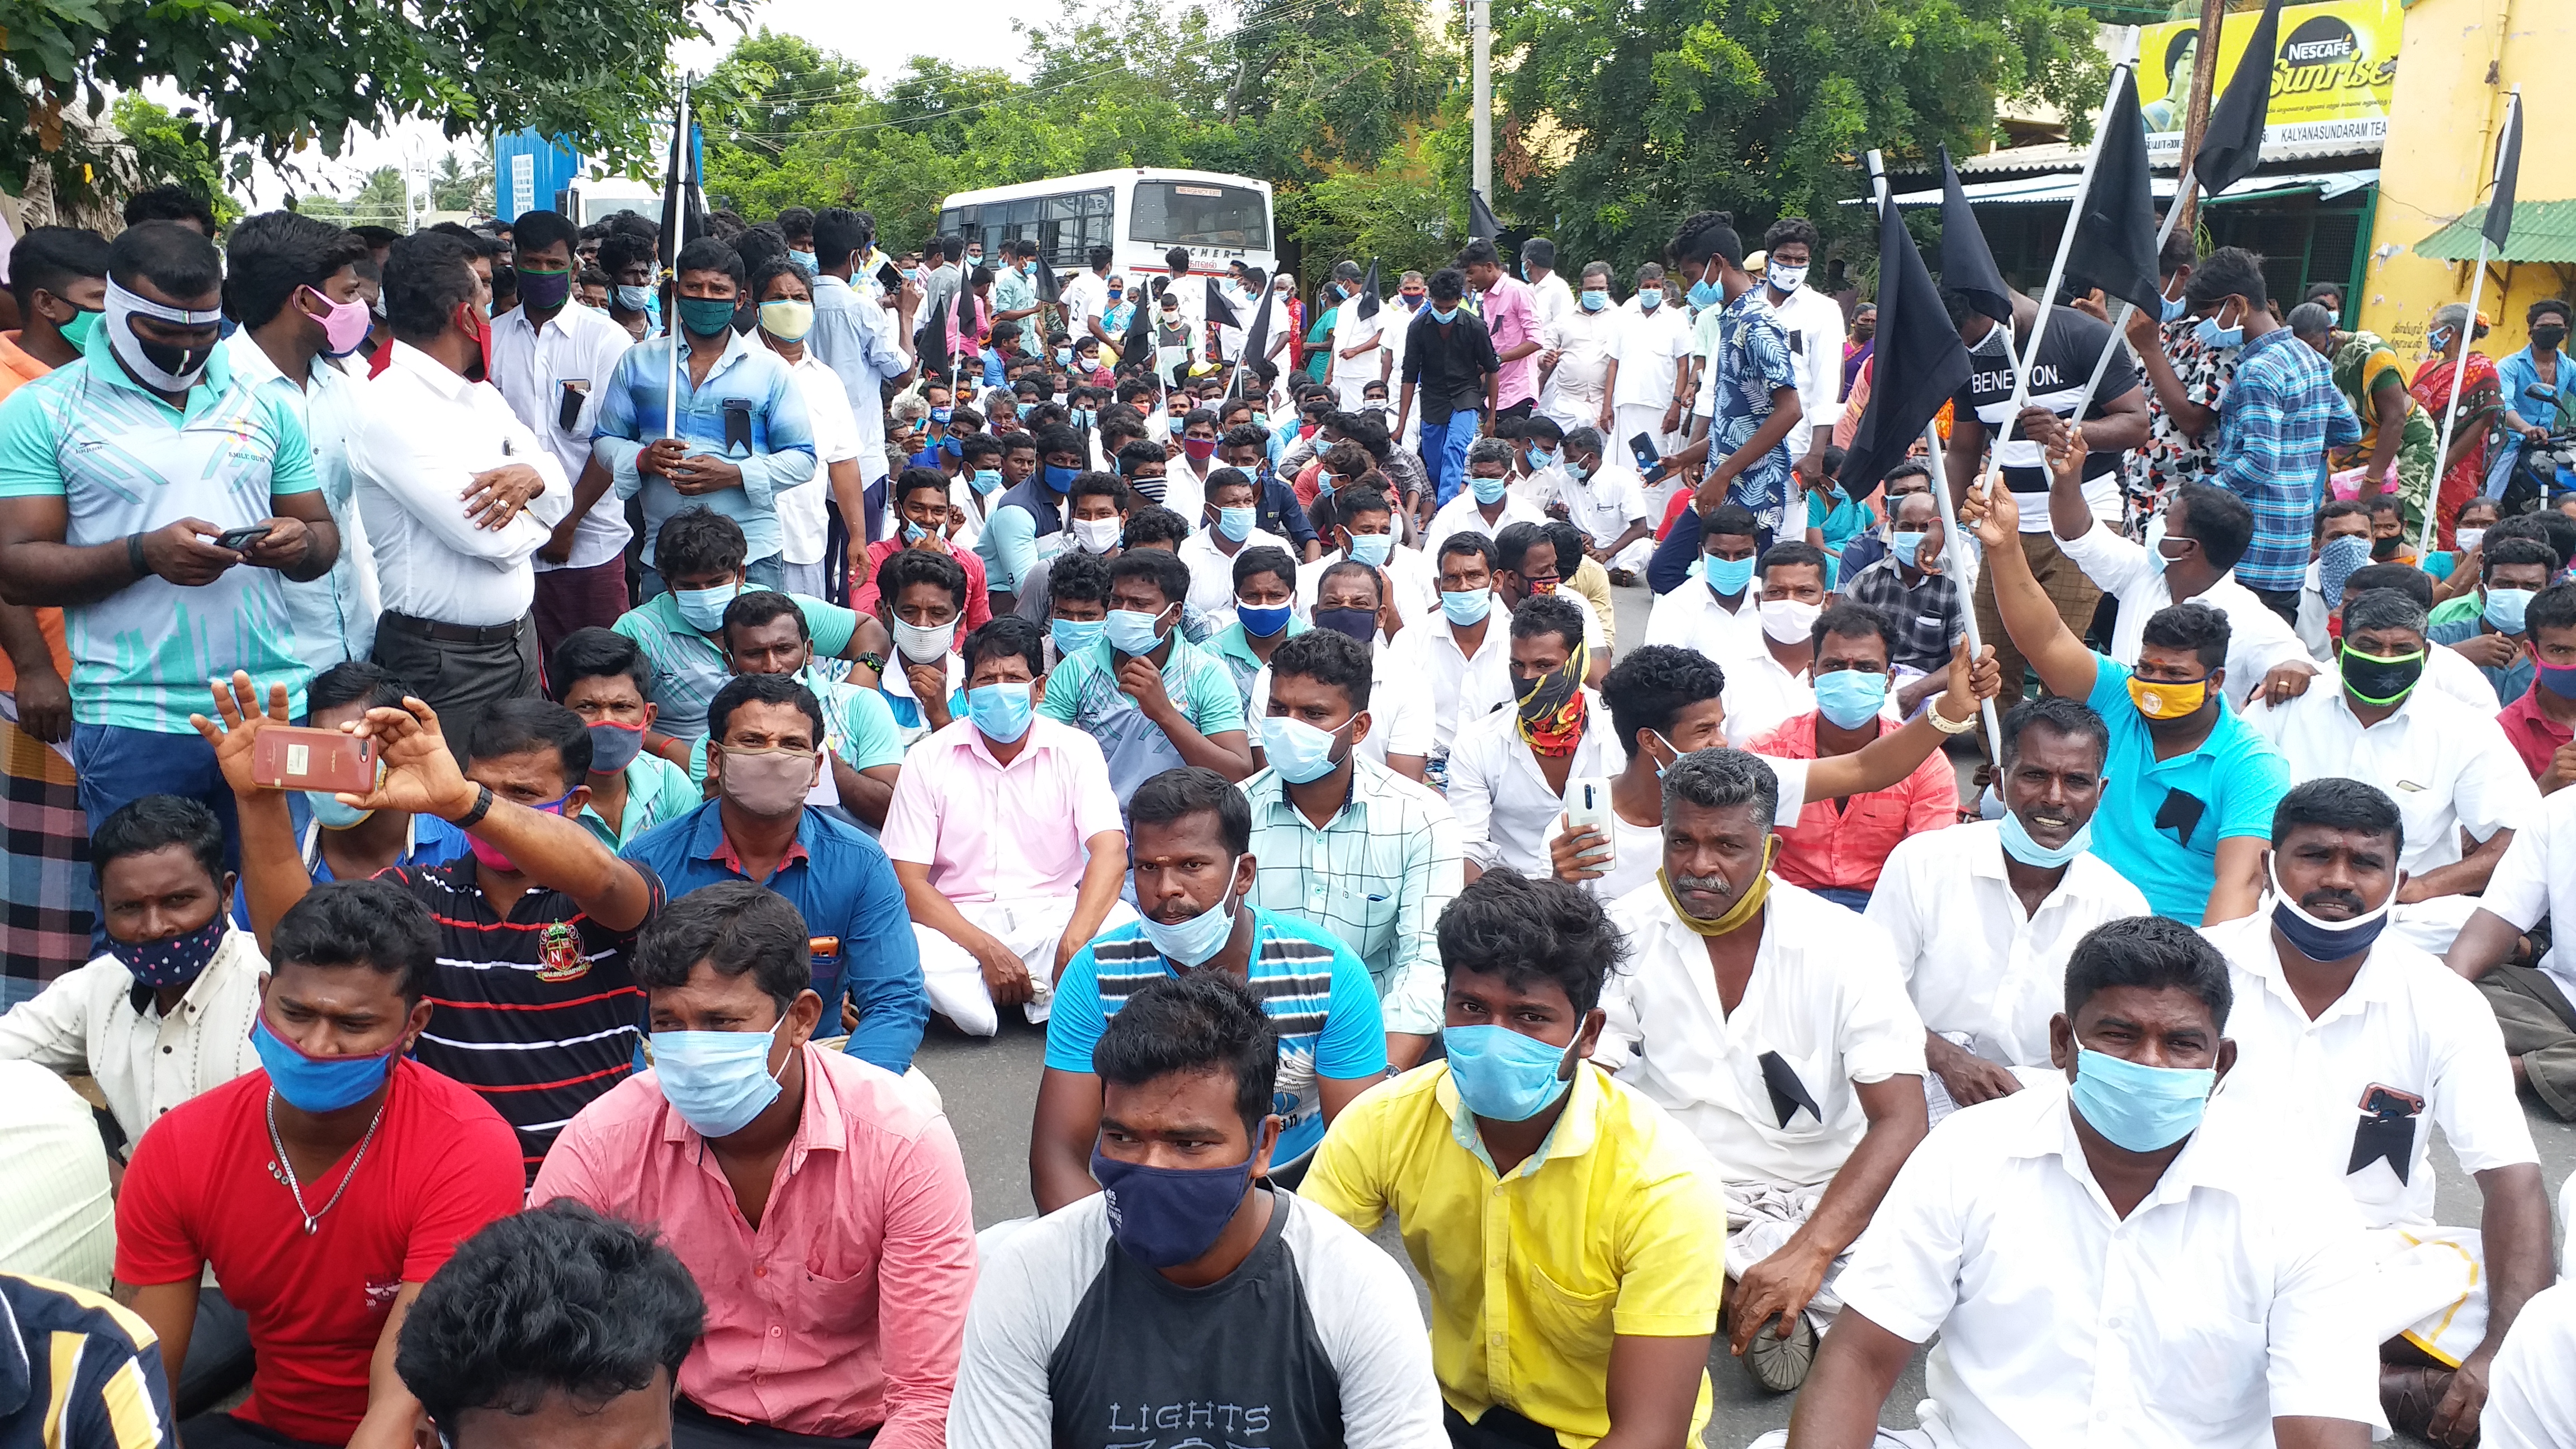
[
  {"x": 2505, "y": 609},
  {"x": 1133, "y": 631},
  {"x": 1488, "y": 490},
  {"x": 1236, "y": 523},
  {"x": 1371, "y": 548},
  {"x": 1907, "y": 547},
  {"x": 716, "y": 1080},
  {"x": 2019, "y": 845},
  {"x": 2174, "y": 307},
  {"x": 1166, "y": 1216},
  {"x": 1085, "y": 417},
  {"x": 1323, "y": 483},
  {"x": 1594, "y": 299},
  {"x": 1262, "y": 622},
  {"x": 1072, "y": 636},
  {"x": 984, "y": 480},
  {"x": 2213, "y": 335},
  {"x": 803, "y": 259},
  {"x": 1064, "y": 357},
  {"x": 1297, "y": 750},
  {"x": 1059, "y": 479},
  {"x": 2139, "y": 1108},
  {"x": 1000, "y": 711},
  {"x": 1850, "y": 697},
  {"x": 1025, "y": 409},
  {"x": 1727, "y": 576},
  {"x": 1503, "y": 1075},
  {"x": 1705, "y": 293},
  {"x": 704, "y": 609},
  {"x": 634, "y": 299},
  {"x": 1444, "y": 318},
  {"x": 1649, "y": 299},
  {"x": 914, "y": 532},
  {"x": 1466, "y": 606},
  {"x": 1541, "y": 458},
  {"x": 330, "y": 814},
  {"x": 1191, "y": 942},
  {"x": 318, "y": 1084},
  {"x": 942, "y": 415}
]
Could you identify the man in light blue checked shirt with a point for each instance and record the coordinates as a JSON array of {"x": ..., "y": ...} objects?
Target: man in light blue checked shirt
[
  {"x": 2279, "y": 415},
  {"x": 743, "y": 435}
]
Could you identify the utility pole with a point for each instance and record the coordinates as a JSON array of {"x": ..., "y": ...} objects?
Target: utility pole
[
  {"x": 2204, "y": 83},
  {"x": 1480, "y": 21}
]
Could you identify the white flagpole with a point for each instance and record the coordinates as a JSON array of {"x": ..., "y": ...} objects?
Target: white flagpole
[
  {"x": 1955, "y": 547},
  {"x": 679, "y": 222},
  {"x": 2468, "y": 334},
  {"x": 2120, "y": 319}
]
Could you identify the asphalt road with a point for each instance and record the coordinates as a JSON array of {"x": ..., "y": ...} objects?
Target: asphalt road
[{"x": 990, "y": 1087}]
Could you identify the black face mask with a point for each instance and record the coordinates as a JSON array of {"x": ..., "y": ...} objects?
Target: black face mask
[
  {"x": 2384, "y": 549},
  {"x": 2378, "y": 681},
  {"x": 2547, "y": 336}
]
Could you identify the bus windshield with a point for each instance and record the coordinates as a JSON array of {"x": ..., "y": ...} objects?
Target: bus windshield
[{"x": 1199, "y": 214}]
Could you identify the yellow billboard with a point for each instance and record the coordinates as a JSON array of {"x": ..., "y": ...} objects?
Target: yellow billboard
[{"x": 2331, "y": 77}]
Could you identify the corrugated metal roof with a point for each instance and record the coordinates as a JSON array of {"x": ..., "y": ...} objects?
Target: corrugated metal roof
[
  {"x": 2059, "y": 189},
  {"x": 2543, "y": 231},
  {"x": 2066, "y": 156}
]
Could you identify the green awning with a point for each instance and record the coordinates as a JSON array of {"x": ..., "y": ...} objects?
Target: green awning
[{"x": 2543, "y": 231}]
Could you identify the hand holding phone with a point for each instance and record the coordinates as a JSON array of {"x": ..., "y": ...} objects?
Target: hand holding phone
[
  {"x": 295, "y": 757},
  {"x": 239, "y": 540}
]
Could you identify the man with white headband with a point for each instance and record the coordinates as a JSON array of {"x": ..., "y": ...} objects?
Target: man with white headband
[{"x": 163, "y": 502}]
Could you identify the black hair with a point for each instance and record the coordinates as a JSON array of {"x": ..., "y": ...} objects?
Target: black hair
[
  {"x": 1791, "y": 551},
  {"x": 1006, "y": 636},
  {"x": 1265, "y": 559},
  {"x": 1154, "y": 524},
  {"x": 1163, "y": 569},
  {"x": 759, "y": 246},
  {"x": 1479, "y": 251},
  {"x": 1058, "y": 439},
  {"x": 170, "y": 202},
  {"x": 2515, "y": 551},
  {"x": 596, "y": 653},
  {"x": 978, "y": 445},
  {"x": 1190, "y": 790},
  {"x": 2072, "y": 718},
  {"x": 1847, "y": 620},
  {"x": 2194, "y": 626},
  {"x": 914, "y": 480},
  {"x": 428, "y": 275},
  {"x": 353, "y": 681},
  {"x": 706, "y": 254},
  {"x": 2181, "y": 249},
  {"x": 2219, "y": 521},
  {"x": 560, "y": 1299},
  {"x": 1137, "y": 454},
  {"x": 745, "y": 689},
  {"x": 2152, "y": 953},
  {"x": 1704, "y": 234},
  {"x": 1569, "y": 545},
  {"x": 1512, "y": 544},
  {"x": 698, "y": 541},
  {"x": 1245, "y": 435},
  {"x": 758, "y": 607},
  {"x": 2546, "y": 306},
  {"x": 838, "y": 232},
  {"x": 620, "y": 250},
  {"x": 1791, "y": 229},
  {"x": 172, "y": 257},
  {"x": 2406, "y": 579},
  {"x": 1550, "y": 614},
  {"x": 2339, "y": 802},
  {"x": 516, "y": 726},
  {"x": 906, "y": 567},
  {"x": 274, "y": 253},
  {"x": 1467, "y": 540},
  {"x": 1078, "y": 578},
  {"x": 1350, "y": 503},
  {"x": 1201, "y": 1024},
  {"x": 1351, "y": 568},
  {"x": 50, "y": 259},
  {"x": 476, "y": 244},
  {"x": 1447, "y": 285},
  {"x": 1177, "y": 259},
  {"x": 541, "y": 228},
  {"x": 1232, "y": 478},
  {"x": 770, "y": 269},
  {"x": 2226, "y": 272},
  {"x": 1096, "y": 484},
  {"x": 152, "y": 822},
  {"x": 1650, "y": 687},
  {"x": 1329, "y": 658},
  {"x": 372, "y": 923},
  {"x": 735, "y": 927},
  {"x": 1732, "y": 520},
  {"x": 2559, "y": 530},
  {"x": 1526, "y": 929},
  {"x": 2552, "y": 608},
  {"x": 2346, "y": 508}
]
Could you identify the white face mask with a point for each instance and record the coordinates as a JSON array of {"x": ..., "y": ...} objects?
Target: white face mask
[
  {"x": 1790, "y": 621},
  {"x": 1785, "y": 279},
  {"x": 1096, "y": 535},
  {"x": 924, "y": 646}
]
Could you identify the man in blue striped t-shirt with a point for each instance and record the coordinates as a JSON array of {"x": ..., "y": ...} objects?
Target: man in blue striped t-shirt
[{"x": 1189, "y": 837}]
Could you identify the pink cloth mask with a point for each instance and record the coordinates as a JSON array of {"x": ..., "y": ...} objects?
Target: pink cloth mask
[{"x": 344, "y": 325}]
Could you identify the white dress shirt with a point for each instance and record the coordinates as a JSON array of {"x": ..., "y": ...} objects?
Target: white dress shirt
[
  {"x": 427, "y": 433},
  {"x": 1974, "y": 961},
  {"x": 1462, "y": 686},
  {"x": 803, "y": 525},
  {"x": 1762, "y": 694},
  {"x": 2448, "y": 766},
  {"x": 2258, "y": 640},
  {"x": 1690, "y": 617},
  {"x": 2531, "y": 1401},
  {"x": 335, "y": 615},
  {"x": 576, "y": 351},
  {"x": 2535, "y": 878},
  {"x": 1212, "y": 571},
  {"x": 2221, "y": 1302},
  {"x": 1506, "y": 810},
  {"x": 1824, "y": 998},
  {"x": 1351, "y": 374},
  {"x": 1581, "y": 341},
  {"x": 57, "y": 1216},
  {"x": 2409, "y": 1023},
  {"x": 1604, "y": 504},
  {"x": 1464, "y": 512},
  {"x": 1550, "y": 298},
  {"x": 1814, "y": 324},
  {"x": 1417, "y": 587},
  {"x": 1649, "y": 347},
  {"x": 85, "y": 1021}
]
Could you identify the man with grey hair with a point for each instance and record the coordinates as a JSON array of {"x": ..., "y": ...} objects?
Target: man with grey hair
[
  {"x": 1604, "y": 497},
  {"x": 2447, "y": 764},
  {"x": 1549, "y": 298},
  {"x": 2312, "y": 324},
  {"x": 1355, "y": 363},
  {"x": 1806, "y": 1085},
  {"x": 1574, "y": 355}
]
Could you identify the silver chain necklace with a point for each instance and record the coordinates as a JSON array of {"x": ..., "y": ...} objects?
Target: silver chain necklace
[{"x": 312, "y": 1219}]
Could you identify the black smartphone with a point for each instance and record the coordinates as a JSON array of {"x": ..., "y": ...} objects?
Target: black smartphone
[
  {"x": 890, "y": 279},
  {"x": 568, "y": 410},
  {"x": 1644, "y": 447},
  {"x": 737, "y": 426},
  {"x": 238, "y": 539}
]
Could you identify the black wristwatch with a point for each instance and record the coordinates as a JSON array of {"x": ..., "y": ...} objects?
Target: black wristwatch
[{"x": 482, "y": 807}]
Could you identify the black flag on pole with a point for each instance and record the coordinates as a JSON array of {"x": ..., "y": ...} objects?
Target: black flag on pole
[
  {"x": 1136, "y": 344},
  {"x": 1967, "y": 264},
  {"x": 2115, "y": 234},
  {"x": 1368, "y": 293},
  {"x": 684, "y": 206},
  {"x": 2499, "y": 222},
  {"x": 1050, "y": 290},
  {"x": 1480, "y": 217},
  {"x": 1256, "y": 338},
  {"x": 1219, "y": 310},
  {"x": 2232, "y": 144},
  {"x": 1918, "y": 364}
]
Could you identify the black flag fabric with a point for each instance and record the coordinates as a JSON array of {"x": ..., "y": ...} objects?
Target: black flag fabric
[
  {"x": 1256, "y": 338},
  {"x": 1918, "y": 364},
  {"x": 2115, "y": 232},
  {"x": 1480, "y": 217},
  {"x": 1137, "y": 343},
  {"x": 1219, "y": 310},
  {"x": 1967, "y": 265},
  {"x": 2232, "y": 144},
  {"x": 1368, "y": 293},
  {"x": 1050, "y": 290},
  {"x": 2499, "y": 222},
  {"x": 684, "y": 206}
]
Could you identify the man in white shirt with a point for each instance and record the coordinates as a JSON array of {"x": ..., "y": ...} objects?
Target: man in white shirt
[
  {"x": 457, "y": 580},
  {"x": 1984, "y": 915},
  {"x": 1777, "y": 684},
  {"x": 2102, "y": 1263},
  {"x": 1486, "y": 504},
  {"x": 2531, "y": 1002},
  {"x": 1224, "y": 529},
  {"x": 1508, "y": 769},
  {"x": 1364, "y": 532},
  {"x": 2447, "y": 765},
  {"x": 1801, "y": 1070},
  {"x": 2352, "y": 1044},
  {"x": 864, "y": 344},
  {"x": 1085, "y": 298},
  {"x": 1462, "y": 653},
  {"x": 1602, "y": 495},
  {"x": 2446, "y": 671},
  {"x": 1643, "y": 385},
  {"x": 2532, "y": 1398},
  {"x": 1356, "y": 339},
  {"x": 292, "y": 283},
  {"x": 1550, "y": 298},
  {"x": 1575, "y": 365},
  {"x": 552, "y": 361},
  {"x": 1720, "y": 612}
]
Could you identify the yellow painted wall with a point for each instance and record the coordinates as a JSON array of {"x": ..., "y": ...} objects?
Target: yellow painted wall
[{"x": 2441, "y": 143}]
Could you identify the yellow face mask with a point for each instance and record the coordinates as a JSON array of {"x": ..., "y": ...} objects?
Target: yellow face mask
[
  {"x": 2162, "y": 701},
  {"x": 1736, "y": 915}
]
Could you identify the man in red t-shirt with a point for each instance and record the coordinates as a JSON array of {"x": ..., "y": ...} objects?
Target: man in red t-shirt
[{"x": 323, "y": 1189}]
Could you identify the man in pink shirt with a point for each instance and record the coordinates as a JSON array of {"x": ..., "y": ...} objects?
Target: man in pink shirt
[
  {"x": 820, "y": 1204},
  {"x": 1511, "y": 318},
  {"x": 1007, "y": 838}
]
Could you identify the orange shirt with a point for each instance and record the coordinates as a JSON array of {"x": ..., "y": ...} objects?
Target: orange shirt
[
  {"x": 17, "y": 369},
  {"x": 1845, "y": 849}
]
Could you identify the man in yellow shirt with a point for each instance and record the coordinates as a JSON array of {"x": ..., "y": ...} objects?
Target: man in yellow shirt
[{"x": 1572, "y": 1234}]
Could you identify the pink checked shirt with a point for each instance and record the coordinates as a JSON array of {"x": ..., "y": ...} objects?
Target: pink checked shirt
[
  {"x": 846, "y": 1307},
  {"x": 1512, "y": 320},
  {"x": 994, "y": 832}
]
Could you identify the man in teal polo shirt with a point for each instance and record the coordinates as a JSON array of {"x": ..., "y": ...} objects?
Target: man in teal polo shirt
[
  {"x": 1265, "y": 617},
  {"x": 162, "y": 503},
  {"x": 1153, "y": 700},
  {"x": 2187, "y": 787}
]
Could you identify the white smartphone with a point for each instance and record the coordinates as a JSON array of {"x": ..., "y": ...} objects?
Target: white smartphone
[{"x": 1587, "y": 807}]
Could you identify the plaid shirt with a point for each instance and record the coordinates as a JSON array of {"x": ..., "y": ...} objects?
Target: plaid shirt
[
  {"x": 1928, "y": 618},
  {"x": 1377, "y": 876},
  {"x": 2282, "y": 411}
]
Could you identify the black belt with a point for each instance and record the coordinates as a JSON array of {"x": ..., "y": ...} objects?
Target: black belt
[{"x": 453, "y": 633}]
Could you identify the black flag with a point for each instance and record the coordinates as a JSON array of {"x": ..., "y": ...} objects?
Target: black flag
[
  {"x": 2232, "y": 144},
  {"x": 1219, "y": 310},
  {"x": 1050, "y": 291},
  {"x": 930, "y": 344},
  {"x": 1918, "y": 364},
  {"x": 1256, "y": 339},
  {"x": 1368, "y": 293},
  {"x": 1967, "y": 265},
  {"x": 1136, "y": 344},
  {"x": 2115, "y": 232},
  {"x": 684, "y": 206},
  {"x": 1480, "y": 217},
  {"x": 2499, "y": 222}
]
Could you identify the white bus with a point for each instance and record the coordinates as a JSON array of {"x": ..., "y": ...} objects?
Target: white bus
[{"x": 1142, "y": 212}]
